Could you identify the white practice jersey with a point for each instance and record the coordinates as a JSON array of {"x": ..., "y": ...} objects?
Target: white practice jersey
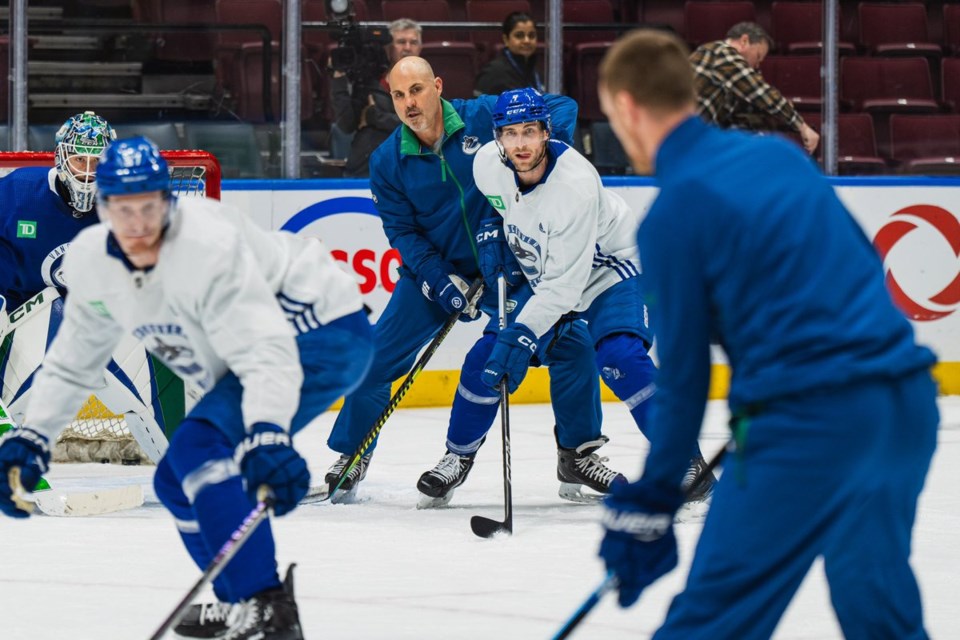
[
  {"x": 573, "y": 238},
  {"x": 224, "y": 295}
]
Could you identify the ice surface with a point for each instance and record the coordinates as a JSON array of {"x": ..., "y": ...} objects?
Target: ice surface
[{"x": 381, "y": 569}]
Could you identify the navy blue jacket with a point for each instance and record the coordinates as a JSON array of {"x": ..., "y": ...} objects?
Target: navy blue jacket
[
  {"x": 748, "y": 242},
  {"x": 428, "y": 202}
]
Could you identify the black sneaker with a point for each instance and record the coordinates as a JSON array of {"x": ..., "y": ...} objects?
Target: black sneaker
[
  {"x": 269, "y": 615},
  {"x": 205, "y": 620},
  {"x": 704, "y": 488},
  {"x": 581, "y": 467},
  {"x": 358, "y": 473},
  {"x": 437, "y": 484}
]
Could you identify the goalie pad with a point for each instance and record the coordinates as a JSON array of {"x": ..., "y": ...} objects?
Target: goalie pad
[{"x": 130, "y": 382}]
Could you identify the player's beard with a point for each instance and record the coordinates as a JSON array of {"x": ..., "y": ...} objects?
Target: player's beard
[{"x": 530, "y": 165}]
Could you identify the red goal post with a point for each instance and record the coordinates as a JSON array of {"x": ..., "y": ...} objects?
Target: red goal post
[
  {"x": 191, "y": 172},
  {"x": 96, "y": 434}
]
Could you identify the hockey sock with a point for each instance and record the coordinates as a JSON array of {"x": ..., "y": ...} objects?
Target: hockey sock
[
  {"x": 474, "y": 408},
  {"x": 202, "y": 459},
  {"x": 170, "y": 495},
  {"x": 627, "y": 369}
]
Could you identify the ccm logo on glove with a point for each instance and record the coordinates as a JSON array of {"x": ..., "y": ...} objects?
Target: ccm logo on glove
[{"x": 524, "y": 341}]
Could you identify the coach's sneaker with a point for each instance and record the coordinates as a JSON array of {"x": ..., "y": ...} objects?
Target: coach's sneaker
[
  {"x": 581, "y": 467},
  {"x": 347, "y": 490},
  {"x": 704, "y": 488},
  {"x": 269, "y": 615},
  {"x": 436, "y": 485},
  {"x": 205, "y": 620}
]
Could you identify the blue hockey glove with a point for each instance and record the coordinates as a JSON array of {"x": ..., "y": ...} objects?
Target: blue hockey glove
[
  {"x": 495, "y": 255},
  {"x": 267, "y": 457},
  {"x": 639, "y": 545},
  {"x": 28, "y": 451},
  {"x": 510, "y": 357},
  {"x": 449, "y": 290}
]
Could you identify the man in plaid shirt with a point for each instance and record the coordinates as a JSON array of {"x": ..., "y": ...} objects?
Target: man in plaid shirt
[{"x": 728, "y": 81}]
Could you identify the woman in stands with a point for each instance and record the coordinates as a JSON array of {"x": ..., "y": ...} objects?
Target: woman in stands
[{"x": 515, "y": 67}]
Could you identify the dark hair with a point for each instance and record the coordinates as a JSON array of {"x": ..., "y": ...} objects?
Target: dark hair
[
  {"x": 754, "y": 32},
  {"x": 513, "y": 19}
]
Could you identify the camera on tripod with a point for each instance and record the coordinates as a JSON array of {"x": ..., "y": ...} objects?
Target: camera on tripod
[{"x": 360, "y": 53}]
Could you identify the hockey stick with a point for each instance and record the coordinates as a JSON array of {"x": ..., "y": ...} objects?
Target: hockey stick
[
  {"x": 229, "y": 549},
  {"x": 472, "y": 297},
  {"x": 610, "y": 582},
  {"x": 481, "y": 526}
]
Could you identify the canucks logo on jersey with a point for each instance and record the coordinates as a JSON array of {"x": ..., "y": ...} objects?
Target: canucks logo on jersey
[{"x": 527, "y": 252}]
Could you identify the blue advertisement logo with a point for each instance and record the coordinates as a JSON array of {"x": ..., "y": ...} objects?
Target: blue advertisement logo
[{"x": 333, "y": 206}]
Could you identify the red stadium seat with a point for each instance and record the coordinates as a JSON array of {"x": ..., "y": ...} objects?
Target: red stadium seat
[
  {"x": 797, "y": 78},
  {"x": 926, "y": 144},
  {"x": 797, "y": 27},
  {"x": 709, "y": 21},
  {"x": 587, "y": 11},
  {"x": 896, "y": 30},
  {"x": 423, "y": 11},
  {"x": 950, "y": 72},
  {"x": 882, "y": 86},
  {"x": 456, "y": 64},
  {"x": 856, "y": 143},
  {"x": 951, "y": 28},
  {"x": 587, "y": 57}
]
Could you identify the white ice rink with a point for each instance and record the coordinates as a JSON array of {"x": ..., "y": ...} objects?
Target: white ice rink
[{"x": 381, "y": 569}]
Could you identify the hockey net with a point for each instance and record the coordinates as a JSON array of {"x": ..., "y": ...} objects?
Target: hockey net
[{"x": 96, "y": 434}]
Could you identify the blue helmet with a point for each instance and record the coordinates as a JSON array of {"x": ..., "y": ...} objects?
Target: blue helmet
[
  {"x": 520, "y": 105},
  {"x": 130, "y": 166}
]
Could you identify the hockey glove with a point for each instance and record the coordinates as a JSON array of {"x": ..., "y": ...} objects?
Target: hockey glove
[
  {"x": 449, "y": 290},
  {"x": 28, "y": 451},
  {"x": 510, "y": 357},
  {"x": 495, "y": 255},
  {"x": 266, "y": 457},
  {"x": 639, "y": 545}
]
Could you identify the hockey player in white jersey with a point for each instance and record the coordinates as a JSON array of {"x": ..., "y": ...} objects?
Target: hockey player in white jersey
[
  {"x": 575, "y": 242},
  {"x": 265, "y": 323}
]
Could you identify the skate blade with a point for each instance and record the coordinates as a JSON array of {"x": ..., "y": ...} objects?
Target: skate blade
[
  {"x": 345, "y": 497},
  {"x": 692, "y": 511},
  {"x": 574, "y": 493},
  {"x": 429, "y": 502}
]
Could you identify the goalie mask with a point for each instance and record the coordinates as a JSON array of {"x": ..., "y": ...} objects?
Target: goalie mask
[{"x": 79, "y": 143}]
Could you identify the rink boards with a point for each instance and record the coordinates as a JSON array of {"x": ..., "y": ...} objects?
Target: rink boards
[{"x": 913, "y": 222}]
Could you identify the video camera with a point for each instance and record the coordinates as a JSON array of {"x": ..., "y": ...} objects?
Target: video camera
[{"x": 360, "y": 53}]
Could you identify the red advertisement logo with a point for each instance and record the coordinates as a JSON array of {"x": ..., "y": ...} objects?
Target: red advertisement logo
[{"x": 902, "y": 222}]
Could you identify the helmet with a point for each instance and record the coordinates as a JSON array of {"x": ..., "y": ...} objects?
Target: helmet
[
  {"x": 84, "y": 135},
  {"x": 132, "y": 165},
  {"x": 520, "y": 105}
]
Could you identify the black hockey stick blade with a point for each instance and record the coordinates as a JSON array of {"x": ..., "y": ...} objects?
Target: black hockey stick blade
[{"x": 487, "y": 527}]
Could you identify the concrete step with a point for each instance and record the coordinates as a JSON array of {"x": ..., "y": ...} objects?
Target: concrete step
[
  {"x": 99, "y": 101},
  {"x": 35, "y": 14},
  {"x": 84, "y": 69}
]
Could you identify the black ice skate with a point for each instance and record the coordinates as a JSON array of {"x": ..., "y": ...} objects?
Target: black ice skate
[
  {"x": 704, "y": 488},
  {"x": 206, "y": 620},
  {"x": 348, "y": 490},
  {"x": 436, "y": 486},
  {"x": 580, "y": 467},
  {"x": 269, "y": 615}
]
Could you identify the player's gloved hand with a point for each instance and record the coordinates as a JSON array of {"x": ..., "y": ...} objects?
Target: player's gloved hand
[
  {"x": 267, "y": 457},
  {"x": 495, "y": 255},
  {"x": 510, "y": 357},
  {"x": 449, "y": 290},
  {"x": 29, "y": 452},
  {"x": 639, "y": 545}
]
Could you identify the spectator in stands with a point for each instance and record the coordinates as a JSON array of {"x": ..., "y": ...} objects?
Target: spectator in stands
[
  {"x": 732, "y": 93},
  {"x": 515, "y": 67},
  {"x": 364, "y": 115}
]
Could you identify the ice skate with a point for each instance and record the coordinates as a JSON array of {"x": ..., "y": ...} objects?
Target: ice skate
[
  {"x": 582, "y": 468},
  {"x": 269, "y": 615},
  {"x": 348, "y": 490},
  {"x": 704, "y": 488},
  {"x": 436, "y": 485},
  {"x": 205, "y": 620}
]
